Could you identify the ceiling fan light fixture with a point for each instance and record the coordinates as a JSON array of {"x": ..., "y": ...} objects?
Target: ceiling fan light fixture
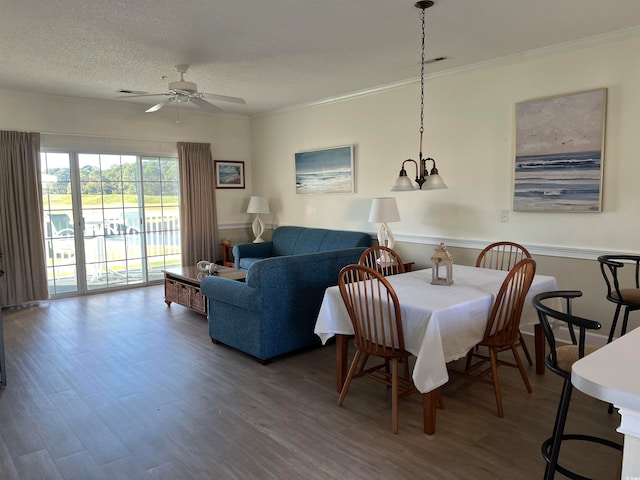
[
  {"x": 184, "y": 86},
  {"x": 182, "y": 91}
]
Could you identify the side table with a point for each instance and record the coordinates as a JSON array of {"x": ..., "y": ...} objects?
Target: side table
[{"x": 227, "y": 254}]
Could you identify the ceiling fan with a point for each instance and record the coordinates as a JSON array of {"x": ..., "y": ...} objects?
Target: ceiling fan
[{"x": 182, "y": 92}]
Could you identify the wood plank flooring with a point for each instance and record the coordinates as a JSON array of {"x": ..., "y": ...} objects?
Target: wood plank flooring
[{"x": 119, "y": 386}]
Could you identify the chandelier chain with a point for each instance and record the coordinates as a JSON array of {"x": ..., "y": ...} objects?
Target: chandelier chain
[
  {"x": 429, "y": 180},
  {"x": 422, "y": 18},
  {"x": 422, "y": 74}
]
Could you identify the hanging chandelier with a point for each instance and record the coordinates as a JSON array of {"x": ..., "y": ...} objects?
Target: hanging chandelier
[{"x": 425, "y": 179}]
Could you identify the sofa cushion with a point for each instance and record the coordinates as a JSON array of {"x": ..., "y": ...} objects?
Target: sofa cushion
[
  {"x": 284, "y": 240},
  {"x": 302, "y": 240},
  {"x": 336, "y": 240},
  {"x": 309, "y": 241},
  {"x": 245, "y": 263}
]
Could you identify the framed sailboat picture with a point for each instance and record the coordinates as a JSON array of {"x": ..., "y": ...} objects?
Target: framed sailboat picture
[{"x": 559, "y": 153}]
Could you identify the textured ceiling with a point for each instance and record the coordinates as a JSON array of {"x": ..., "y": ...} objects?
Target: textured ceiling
[{"x": 273, "y": 53}]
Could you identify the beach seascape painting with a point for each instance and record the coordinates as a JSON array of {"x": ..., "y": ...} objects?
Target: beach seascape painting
[
  {"x": 229, "y": 174},
  {"x": 325, "y": 171},
  {"x": 559, "y": 153}
]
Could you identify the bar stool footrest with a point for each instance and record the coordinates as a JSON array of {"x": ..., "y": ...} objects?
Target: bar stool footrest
[{"x": 546, "y": 451}]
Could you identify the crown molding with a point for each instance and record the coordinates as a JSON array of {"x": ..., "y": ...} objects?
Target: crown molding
[{"x": 539, "y": 53}]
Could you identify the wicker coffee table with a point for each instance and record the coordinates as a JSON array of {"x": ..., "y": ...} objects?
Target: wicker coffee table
[{"x": 182, "y": 285}]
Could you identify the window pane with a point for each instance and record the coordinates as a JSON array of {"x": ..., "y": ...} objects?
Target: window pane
[
  {"x": 58, "y": 221},
  {"x": 169, "y": 170}
]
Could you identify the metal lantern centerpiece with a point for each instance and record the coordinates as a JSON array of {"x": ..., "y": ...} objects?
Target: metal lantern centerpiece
[{"x": 442, "y": 266}]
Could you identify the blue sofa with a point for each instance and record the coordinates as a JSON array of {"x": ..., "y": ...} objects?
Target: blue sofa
[{"x": 274, "y": 311}]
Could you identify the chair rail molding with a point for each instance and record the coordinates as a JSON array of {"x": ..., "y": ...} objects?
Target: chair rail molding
[{"x": 545, "y": 250}]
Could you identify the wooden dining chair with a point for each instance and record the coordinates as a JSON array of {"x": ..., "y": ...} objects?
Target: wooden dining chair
[
  {"x": 623, "y": 291},
  {"x": 382, "y": 259},
  {"x": 504, "y": 256},
  {"x": 374, "y": 311},
  {"x": 501, "y": 256},
  {"x": 502, "y": 331}
]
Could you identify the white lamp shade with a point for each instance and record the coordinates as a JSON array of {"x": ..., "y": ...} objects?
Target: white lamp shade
[
  {"x": 384, "y": 210},
  {"x": 258, "y": 205}
]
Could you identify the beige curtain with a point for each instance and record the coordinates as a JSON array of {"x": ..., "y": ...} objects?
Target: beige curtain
[
  {"x": 198, "y": 222},
  {"x": 21, "y": 220}
]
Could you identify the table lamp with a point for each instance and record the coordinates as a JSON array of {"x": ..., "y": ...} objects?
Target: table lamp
[
  {"x": 384, "y": 210},
  {"x": 258, "y": 205}
]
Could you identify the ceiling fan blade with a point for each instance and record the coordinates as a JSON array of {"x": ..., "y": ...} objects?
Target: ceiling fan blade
[
  {"x": 205, "y": 105},
  {"x": 158, "y": 106},
  {"x": 224, "y": 98},
  {"x": 144, "y": 95}
]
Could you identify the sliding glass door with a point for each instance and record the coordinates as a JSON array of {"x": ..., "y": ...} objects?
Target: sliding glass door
[
  {"x": 59, "y": 224},
  {"x": 110, "y": 220}
]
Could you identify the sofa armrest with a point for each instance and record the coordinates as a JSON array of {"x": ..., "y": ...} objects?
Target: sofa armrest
[
  {"x": 232, "y": 292},
  {"x": 252, "y": 250},
  {"x": 234, "y": 314}
]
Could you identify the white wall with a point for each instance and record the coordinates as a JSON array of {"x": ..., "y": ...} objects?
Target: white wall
[
  {"x": 469, "y": 130},
  {"x": 118, "y": 126}
]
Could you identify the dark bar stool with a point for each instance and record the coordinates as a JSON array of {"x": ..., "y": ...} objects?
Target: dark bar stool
[
  {"x": 626, "y": 295},
  {"x": 559, "y": 361}
]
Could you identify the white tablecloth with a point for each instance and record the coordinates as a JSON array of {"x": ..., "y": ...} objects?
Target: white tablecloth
[{"x": 441, "y": 323}]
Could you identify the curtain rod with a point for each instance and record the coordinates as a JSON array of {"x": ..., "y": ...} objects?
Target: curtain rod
[{"x": 118, "y": 138}]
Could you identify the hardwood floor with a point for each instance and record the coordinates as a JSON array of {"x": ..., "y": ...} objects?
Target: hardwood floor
[{"x": 119, "y": 386}]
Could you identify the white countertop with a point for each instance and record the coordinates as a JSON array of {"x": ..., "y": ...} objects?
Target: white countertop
[{"x": 612, "y": 373}]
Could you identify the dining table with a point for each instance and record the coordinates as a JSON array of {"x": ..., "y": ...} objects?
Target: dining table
[{"x": 441, "y": 323}]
